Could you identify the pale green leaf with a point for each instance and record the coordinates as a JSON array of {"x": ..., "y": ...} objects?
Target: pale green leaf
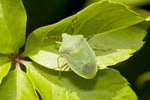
[
  {"x": 4, "y": 69},
  {"x": 12, "y": 26},
  {"x": 107, "y": 85},
  {"x": 49, "y": 60},
  {"x": 17, "y": 86},
  {"x": 106, "y": 20}
]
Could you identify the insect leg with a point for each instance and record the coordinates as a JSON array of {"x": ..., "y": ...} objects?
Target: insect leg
[
  {"x": 62, "y": 67},
  {"x": 59, "y": 74}
]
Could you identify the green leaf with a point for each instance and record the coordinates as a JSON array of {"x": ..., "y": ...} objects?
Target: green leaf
[
  {"x": 107, "y": 85},
  {"x": 114, "y": 47},
  {"x": 12, "y": 26},
  {"x": 129, "y": 2},
  {"x": 47, "y": 89},
  {"x": 102, "y": 19},
  {"x": 17, "y": 86},
  {"x": 4, "y": 69},
  {"x": 49, "y": 60},
  {"x": 135, "y": 5},
  {"x": 4, "y": 59}
]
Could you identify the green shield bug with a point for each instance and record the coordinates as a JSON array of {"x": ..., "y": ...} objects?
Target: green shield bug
[{"x": 79, "y": 55}]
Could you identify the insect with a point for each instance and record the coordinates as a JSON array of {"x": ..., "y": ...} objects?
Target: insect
[{"x": 78, "y": 55}]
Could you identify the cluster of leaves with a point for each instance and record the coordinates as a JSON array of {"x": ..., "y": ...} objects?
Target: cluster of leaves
[{"x": 113, "y": 31}]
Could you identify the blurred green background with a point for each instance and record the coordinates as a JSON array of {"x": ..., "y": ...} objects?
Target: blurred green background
[{"x": 136, "y": 69}]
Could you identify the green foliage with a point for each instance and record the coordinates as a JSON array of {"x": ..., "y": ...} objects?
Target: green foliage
[
  {"x": 113, "y": 31},
  {"x": 107, "y": 85},
  {"x": 129, "y": 2},
  {"x": 12, "y": 26},
  {"x": 4, "y": 59},
  {"x": 136, "y": 5},
  {"x": 105, "y": 25},
  {"x": 4, "y": 69},
  {"x": 17, "y": 86}
]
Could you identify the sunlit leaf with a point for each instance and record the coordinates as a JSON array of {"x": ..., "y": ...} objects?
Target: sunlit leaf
[
  {"x": 4, "y": 59},
  {"x": 111, "y": 29},
  {"x": 17, "y": 86},
  {"x": 107, "y": 85},
  {"x": 114, "y": 47},
  {"x": 128, "y": 2},
  {"x": 12, "y": 26},
  {"x": 4, "y": 69},
  {"x": 50, "y": 60},
  {"x": 138, "y": 6},
  {"x": 47, "y": 89}
]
